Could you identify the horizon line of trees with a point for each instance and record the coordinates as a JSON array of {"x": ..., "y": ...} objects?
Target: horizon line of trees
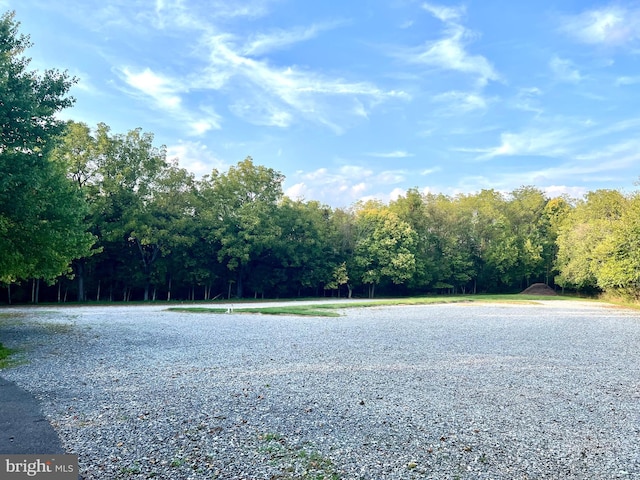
[{"x": 87, "y": 214}]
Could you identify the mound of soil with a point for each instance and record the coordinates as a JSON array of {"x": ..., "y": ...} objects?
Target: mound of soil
[{"x": 539, "y": 289}]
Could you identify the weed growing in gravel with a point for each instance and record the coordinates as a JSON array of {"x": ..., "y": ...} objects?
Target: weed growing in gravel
[
  {"x": 295, "y": 462},
  {"x": 131, "y": 470}
]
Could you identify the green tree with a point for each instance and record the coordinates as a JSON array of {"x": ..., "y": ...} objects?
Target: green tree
[
  {"x": 78, "y": 152},
  {"x": 342, "y": 239},
  {"x": 529, "y": 225},
  {"x": 240, "y": 207},
  {"x": 491, "y": 238},
  {"x": 556, "y": 212},
  {"x": 384, "y": 247},
  {"x": 138, "y": 201},
  {"x": 412, "y": 208},
  {"x": 41, "y": 211},
  {"x": 590, "y": 223},
  {"x": 303, "y": 249},
  {"x": 617, "y": 256},
  {"x": 455, "y": 256},
  {"x": 339, "y": 277}
]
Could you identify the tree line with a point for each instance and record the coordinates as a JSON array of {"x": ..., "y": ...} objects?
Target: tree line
[{"x": 91, "y": 215}]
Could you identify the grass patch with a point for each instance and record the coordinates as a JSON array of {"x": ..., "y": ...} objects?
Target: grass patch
[
  {"x": 303, "y": 310},
  {"x": 6, "y": 357},
  {"x": 15, "y": 323},
  {"x": 295, "y": 462},
  {"x": 331, "y": 309}
]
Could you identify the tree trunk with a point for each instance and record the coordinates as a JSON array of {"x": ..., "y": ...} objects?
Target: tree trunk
[
  {"x": 169, "y": 289},
  {"x": 9, "y": 293},
  {"x": 80, "y": 275},
  {"x": 350, "y": 290},
  {"x": 98, "y": 293},
  {"x": 35, "y": 290},
  {"x": 239, "y": 286},
  {"x": 372, "y": 290}
]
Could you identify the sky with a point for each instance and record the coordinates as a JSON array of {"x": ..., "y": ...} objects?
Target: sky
[{"x": 355, "y": 100}]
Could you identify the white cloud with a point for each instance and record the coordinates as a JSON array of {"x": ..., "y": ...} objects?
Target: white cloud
[
  {"x": 394, "y": 154},
  {"x": 195, "y": 157},
  {"x": 534, "y": 142},
  {"x": 262, "y": 43},
  {"x": 290, "y": 89},
  {"x": 344, "y": 185},
  {"x": 256, "y": 89},
  {"x": 397, "y": 193},
  {"x": 355, "y": 171},
  {"x": 527, "y": 100},
  {"x": 445, "y": 14},
  {"x": 565, "y": 70},
  {"x": 390, "y": 177},
  {"x": 612, "y": 25},
  {"x": 462, "y": 101},
  {"x": 626, "y": 80},
  {"x": 450, "y": 52},
  {"x": 298, "y": 191},
  {"x": 553, "y": 191},
  {"x": 165, "y": 94},
  {"x": 261, "y": 112},
  {"x": 161, "y": 89}
]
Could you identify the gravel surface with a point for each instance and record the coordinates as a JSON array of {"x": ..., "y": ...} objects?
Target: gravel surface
[{"x": 463, "y": 391}]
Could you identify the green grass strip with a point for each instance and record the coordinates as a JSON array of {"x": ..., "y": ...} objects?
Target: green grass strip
[{"x": 330, "y": 309}]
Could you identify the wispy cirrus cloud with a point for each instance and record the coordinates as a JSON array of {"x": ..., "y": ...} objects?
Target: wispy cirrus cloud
[
  {"x": 450, "y": 52},
  {"x": 627, "y": 80},
  {"x": 565, "y": 70},
  {"x": 527, "y": 99},
  {"x": 255, "y": 89},
  {"x": 611, "y": 25},
  {"x": 166, "y": 93},
  {"x": 394, "y": 154},
  {"x": 443, "y": 13},
  {"x": 462, "y": 102},
  {"x": 262, "y": 43},
  {"x": 302, "y": 93},
  {"x": 569, "y": 151},
  {"x": 163, "y": 90},
  {"x": 529, "y": 142}
]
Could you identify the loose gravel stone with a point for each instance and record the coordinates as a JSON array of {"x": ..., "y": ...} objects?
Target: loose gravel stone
[{"x": 466, "y": 391}]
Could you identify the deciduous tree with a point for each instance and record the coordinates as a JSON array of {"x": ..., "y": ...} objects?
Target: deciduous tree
[{"x": 41, "y": 211}]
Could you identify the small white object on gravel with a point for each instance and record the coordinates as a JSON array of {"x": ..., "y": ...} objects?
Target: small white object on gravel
[{"x": 467, "y": 391}]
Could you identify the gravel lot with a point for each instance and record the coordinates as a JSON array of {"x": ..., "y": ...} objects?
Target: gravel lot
[{"x": 464, "y": 391}]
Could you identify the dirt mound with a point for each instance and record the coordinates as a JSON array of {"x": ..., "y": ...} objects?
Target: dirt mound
[{"x": 538, "y": 289}]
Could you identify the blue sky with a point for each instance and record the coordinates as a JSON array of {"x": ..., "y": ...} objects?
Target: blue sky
[{"x": 362, "y": 99}]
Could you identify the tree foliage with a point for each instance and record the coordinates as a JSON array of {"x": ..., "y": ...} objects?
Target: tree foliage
[
  {"x": 134, "y": 225},
  {"x": 41, "y": 212}
]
